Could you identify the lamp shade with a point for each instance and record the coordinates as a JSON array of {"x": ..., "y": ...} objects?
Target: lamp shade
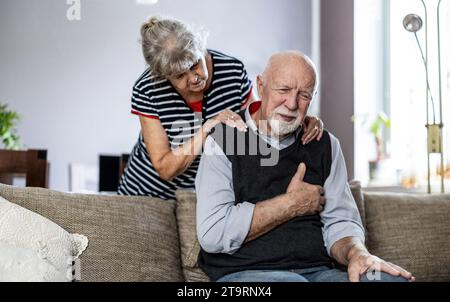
[{"x": 412, "y": 23}]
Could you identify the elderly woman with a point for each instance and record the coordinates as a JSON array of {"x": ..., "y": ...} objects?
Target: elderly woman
[{"x": 185, "y": 92}]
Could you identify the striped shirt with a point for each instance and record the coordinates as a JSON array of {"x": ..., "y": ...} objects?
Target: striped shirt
[{"x": 157, "y": 99}]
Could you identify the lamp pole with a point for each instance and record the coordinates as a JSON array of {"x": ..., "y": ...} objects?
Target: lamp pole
[
  {"x": 413, "y": 23},
  {"x": 427, "y": 95}
]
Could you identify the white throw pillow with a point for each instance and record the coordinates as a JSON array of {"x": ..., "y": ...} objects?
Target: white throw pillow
[
  {"x": 19, "y": 264},
  {"x": 30, "y": 232}
]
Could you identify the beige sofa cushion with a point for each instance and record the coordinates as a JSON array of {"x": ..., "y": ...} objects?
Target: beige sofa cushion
[
  {"x": 412, "y": 231},
  {"x": 190, "y": 247},
  {"x": 355, "y": 187},
  {"x": 130, "y": 238}
]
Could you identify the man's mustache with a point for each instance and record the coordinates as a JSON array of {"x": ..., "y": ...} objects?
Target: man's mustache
[{"x": 286, "y": 112}]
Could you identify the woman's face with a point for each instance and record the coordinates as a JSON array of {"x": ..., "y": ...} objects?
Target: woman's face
[{"x": 193, "y": 80}]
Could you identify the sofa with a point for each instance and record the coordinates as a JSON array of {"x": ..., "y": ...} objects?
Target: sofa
[{"x": 148, "y": 239}]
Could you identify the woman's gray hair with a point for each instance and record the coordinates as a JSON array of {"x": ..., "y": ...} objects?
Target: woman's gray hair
[{"x": 170, "y": 46}]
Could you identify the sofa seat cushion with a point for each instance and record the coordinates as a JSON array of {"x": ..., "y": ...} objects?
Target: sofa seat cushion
[
  {"x": 130, "y": 238},
  {"x": 355, "y": 188},
  {"x": 412, "y": 231}
]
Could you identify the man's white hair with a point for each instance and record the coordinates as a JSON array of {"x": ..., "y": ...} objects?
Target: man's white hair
[{"x": 303, "y": 56}]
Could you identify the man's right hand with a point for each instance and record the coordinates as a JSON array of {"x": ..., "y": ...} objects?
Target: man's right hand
[
  {"x": 306, "y": 199},
  {"x": 301, "y": 199}
]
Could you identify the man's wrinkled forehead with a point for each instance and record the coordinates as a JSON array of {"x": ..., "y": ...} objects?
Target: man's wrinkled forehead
[{"x": 291, "y": 72}]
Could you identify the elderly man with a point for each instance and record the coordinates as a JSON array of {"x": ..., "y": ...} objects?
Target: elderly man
[{"x": 288, "y": 222}]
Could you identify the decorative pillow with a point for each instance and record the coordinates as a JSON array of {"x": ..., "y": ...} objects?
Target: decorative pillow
[
  {"x": 187, "y": 231},
  {"x": 411, "y": 230},
  {"x": 22, "y": 228},
  {"x": 19, "y": 264}
]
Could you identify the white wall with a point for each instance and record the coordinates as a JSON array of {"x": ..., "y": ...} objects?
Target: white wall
[{"x": 71, "y": 80}]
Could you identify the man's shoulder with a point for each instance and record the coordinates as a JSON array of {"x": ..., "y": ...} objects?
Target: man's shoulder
[
  {"x": 212, "y": 146},
  {"x": 334, "y": 143},
  {"x": 224, "y": 135},
  {"x": 333, "y": 139},
  {"x": 329, "y": 144},
  {"x": 326, "y": 139}
]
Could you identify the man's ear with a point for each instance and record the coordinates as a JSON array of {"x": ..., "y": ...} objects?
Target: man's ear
[{"x": 260, "y": 88}]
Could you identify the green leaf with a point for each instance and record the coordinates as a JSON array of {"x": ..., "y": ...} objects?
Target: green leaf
[
  {"x": 6, "y": 135},
  {"x": 8, "y": 122}
]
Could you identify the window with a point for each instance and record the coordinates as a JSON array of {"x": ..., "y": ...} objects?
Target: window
[{"x": 390, "y": 79}]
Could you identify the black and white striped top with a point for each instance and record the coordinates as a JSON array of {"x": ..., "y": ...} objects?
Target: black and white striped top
[{"x": 157, "y": 99}]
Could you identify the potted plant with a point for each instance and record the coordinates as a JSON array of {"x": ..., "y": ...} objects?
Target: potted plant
[
  {"x": 8, "y": 123},
  {"x": 376, "y": 129},
  {"x": 375, "y": 126}
]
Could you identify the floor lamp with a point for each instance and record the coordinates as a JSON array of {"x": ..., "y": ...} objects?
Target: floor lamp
[{"x": 413, "y": 23}]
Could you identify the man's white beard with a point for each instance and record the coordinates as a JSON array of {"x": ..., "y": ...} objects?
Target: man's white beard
[{"x": 281, "y": 128}]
